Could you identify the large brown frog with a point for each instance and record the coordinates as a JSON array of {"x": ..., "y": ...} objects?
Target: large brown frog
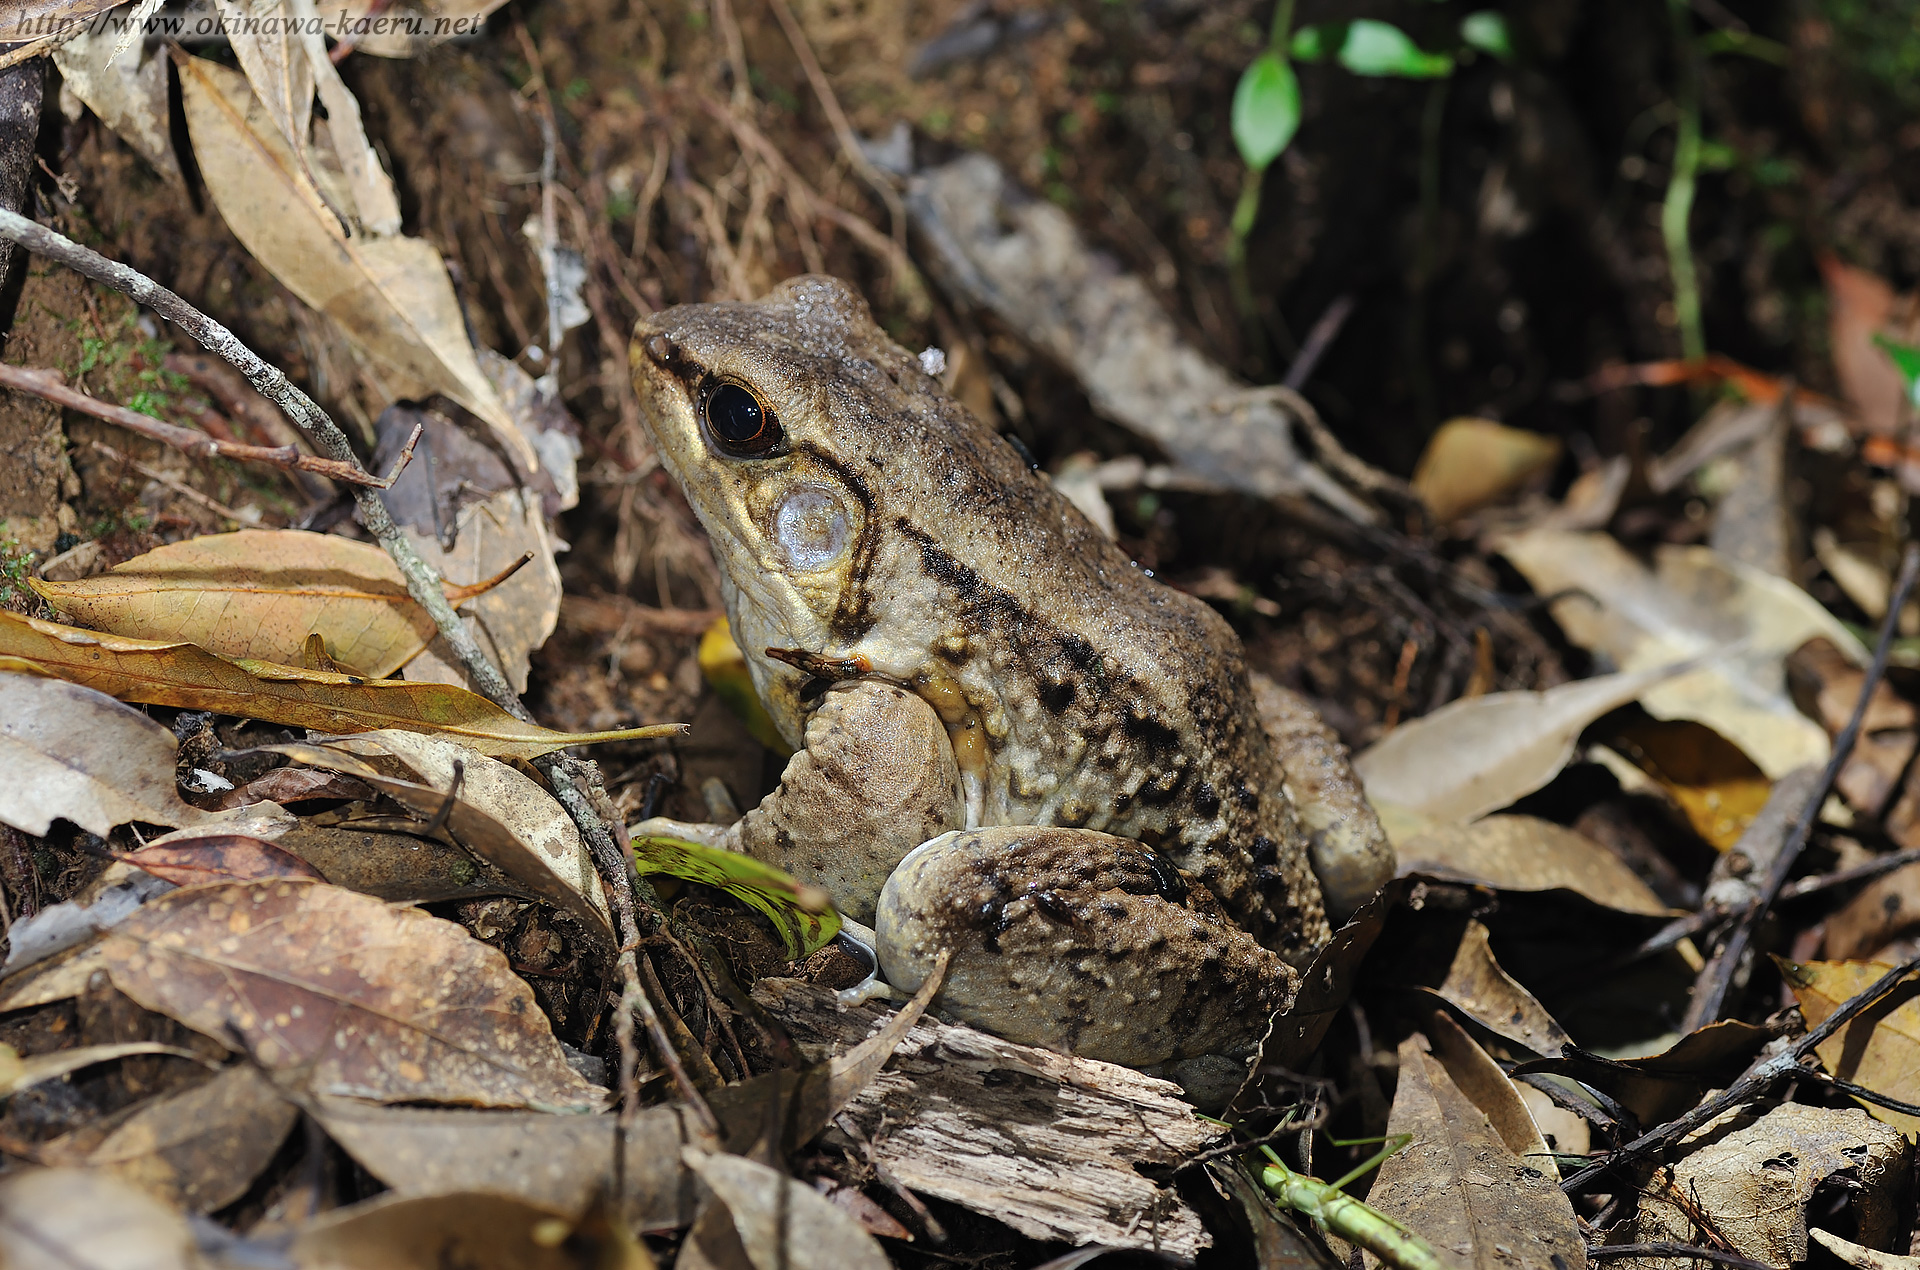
[{"x": 1012, "y": 742}]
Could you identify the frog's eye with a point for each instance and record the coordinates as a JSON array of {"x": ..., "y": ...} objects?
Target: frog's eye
[{"x": 738, "y": 422}]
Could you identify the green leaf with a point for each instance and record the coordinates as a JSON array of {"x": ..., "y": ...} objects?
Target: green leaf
[
  {"x": 1380, "y": 49},
  {"x": 1317, "y": 42},
  {"x": 1487, "y": 31},
  {"x": 802, "y": 914},
  {"x": 1907, "y": 358},
  {"x": 1266, "y": 110}
]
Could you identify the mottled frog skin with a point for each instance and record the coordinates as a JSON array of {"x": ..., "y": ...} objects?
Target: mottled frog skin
[{"x": 1066, "y": 754}]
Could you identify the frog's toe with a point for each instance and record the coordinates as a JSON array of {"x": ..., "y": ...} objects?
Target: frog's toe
[{"x": 1078, "y": 941}]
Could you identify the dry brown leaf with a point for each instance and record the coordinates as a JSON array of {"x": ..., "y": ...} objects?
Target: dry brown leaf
[
  {"x": 1716, "y": 786},
  {"x": 199, "y": 1149},
  {"x": 1460, "y": 1187},
  {"x": 269, "y": 52},
  {"x": 1861, "y": 305},
  {"x": 1522, "y": 853},
  {"x": 1826, "y": 686},
  {"x": 1477, "y": 987},
  {"x": 1479, "y": 754},
  {"x": 1886, "y": 909},
  {"x": 355, "y": 996},
  {"x": 260, "y": 593},
  {"x": 57, "y": 1219},
  {"x": 1693, "y": 603},
  {"x": 782, "y": 1222},
  {"x": 17, "y": 1073},
  {"x": 513, "y": 619},
  {"x": 219, "y": 857},
  {"x": 1859, "y": 1256},
  {"x": 1880, "y": 1048},
  {"x": 557, "y": 1162},
  {"x": 1475, "y": 1074},
  {"x": 129, "y": 95},
  {"x": 376, "y": 205},
  {"x": 391, "y": 295},
  {"x": 471, "y": 1230},
  {"x": 161, "y": 672},
  {"x": 395, "y": 866},
  {"x": 76, "y": 754},
  {"x": 1469, "y": 463},
  {"x": 498, "y": 814},
  {"x": 297, "y": 784}
]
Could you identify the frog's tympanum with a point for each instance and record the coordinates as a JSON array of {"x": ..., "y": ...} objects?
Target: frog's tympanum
[{"x": 1012, "y": 742}]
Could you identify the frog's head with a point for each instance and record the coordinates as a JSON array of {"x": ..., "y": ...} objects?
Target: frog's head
[{"x": 790, "y": 423}]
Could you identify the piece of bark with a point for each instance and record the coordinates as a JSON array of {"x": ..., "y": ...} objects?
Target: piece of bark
[{"x": 1044, "y": 1142}]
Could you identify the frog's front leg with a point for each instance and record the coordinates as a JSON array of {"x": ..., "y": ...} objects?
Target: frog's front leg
[
  {"x": 876, "y": 778},
  {"x": 1078, "y": 941}
]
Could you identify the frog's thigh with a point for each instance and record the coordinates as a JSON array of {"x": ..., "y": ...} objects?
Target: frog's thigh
[
  {"x": 876, "y": 778},
  {"x": 1078, "y": 941},
  {"x": 1349, "y": 851}
]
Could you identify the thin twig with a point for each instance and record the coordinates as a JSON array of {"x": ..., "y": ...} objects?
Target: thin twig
[
  {"x": 1319, "y": 340},
  {"x": 51, "y": 385},
  {"x": 1754, "y": 1082},
  {"x": 1867, "y": 872},
  {"x": 1861, "y": 1092},
  {"x": 178, "y": 486},
  {"x": 1711, "y": 993}
]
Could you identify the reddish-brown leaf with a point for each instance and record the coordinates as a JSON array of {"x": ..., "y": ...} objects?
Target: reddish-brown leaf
[{"x": 220, "y": 857}]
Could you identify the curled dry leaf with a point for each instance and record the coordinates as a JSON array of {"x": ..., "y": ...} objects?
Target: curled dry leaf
[
  {"x": 1475, "y": 1074},
  {"x": 556, "y": 1162},
  {"x": 1880, "y": 1048},
  {"x": 497, "y": 813},
  {"x": 354, "y": 996},
  {"x": 1522, "y": 853},
  {"x": 1693, "y": 603},
  {"x": 267, "y": 46},
  {"x": 1477, "y": 987},
  {"x": 260, "y": 593},
  {"x": 17, "y": 1073},
  {"x": 76, "y": 754},
  {"x": 391, "y": 295},
  {"x": 1469, "y": 463},
  {"x": 1479, "y": 754},
  {"x": 1715, "y": 786},
  {"x": 396, "y": 867},
  {"x": 1462, "y": 1188},
  {"x": 781, "y": 1222},
  {"x": 170, "y": 673},
  {"x": 57, "y": 1219},
  {"x": 198, "y": 1149}
]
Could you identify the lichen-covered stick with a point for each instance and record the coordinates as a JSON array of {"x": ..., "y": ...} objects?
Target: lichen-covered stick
[{"x": 570, "y": 781}]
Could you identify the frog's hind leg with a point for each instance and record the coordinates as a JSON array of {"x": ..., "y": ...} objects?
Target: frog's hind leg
[
  {"x": 1078, "y": 941},
  {"x": 1349, "y": 851}
]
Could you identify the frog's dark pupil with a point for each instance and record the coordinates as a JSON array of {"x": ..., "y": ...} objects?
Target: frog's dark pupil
[{"x": 735, "y": 416}]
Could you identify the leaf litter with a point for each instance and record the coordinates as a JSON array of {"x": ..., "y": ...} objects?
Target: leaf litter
[{"x": 404, "y": 912}]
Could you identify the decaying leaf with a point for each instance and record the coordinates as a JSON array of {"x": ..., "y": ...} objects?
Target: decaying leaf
[
  {"x": 1479, "y": 754},
  {"x": 396, "y": 867},
  {"x": 472, "y": 1230},
  {"x": 1692, "y": 603},
  {"x": 1475, "y": 1074},
  {"x": 557, "y": 1162},
  {"x": 1522, "y": 853},
  {"x": 356, "y": 996},
  {"x": 76, "y": 754},
  {"x": 1469, "y": 463},
  {"x": 260, "y": 593},
  {"x": 1880, "y": 1048},
  {"x": 1717, "y": 787},
  {"x": 128, "y": 93},
  {"x": 220, "y": 857},
  {"x": 198, "y": 1150},
  {"x": 1477, "y": 987},
  {"x": 57, "y": 1219},
  {"x": 803, "y": 915},
  {"x": 267, "y": 46},
  {"x": 169, "y": 673},
  {"x": 1754, "y": 1181},
  {"x": 513, "y": 619},
  {"x": 497, "y": 813},
  {"x": 782, "y": 1222},
  {"x": 392, "y": 295},
  {"x": 1860, "y": 306},
  {"x": 1859, "y": 1256},
  {"x": 17, "y": 1073},
  {"x": 1460, "y": 1186},
  {"x": 1658, "y": 1087}
]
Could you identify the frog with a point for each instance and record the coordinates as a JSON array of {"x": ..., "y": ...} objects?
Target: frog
[{"x": 1014, "y": 748}]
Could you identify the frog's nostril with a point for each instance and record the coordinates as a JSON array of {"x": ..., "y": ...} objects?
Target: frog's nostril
[{"x": 660, "y": 348}]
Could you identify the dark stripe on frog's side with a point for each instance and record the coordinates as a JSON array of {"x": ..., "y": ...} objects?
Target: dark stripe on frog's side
[{"x": 852, "y": 615}]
